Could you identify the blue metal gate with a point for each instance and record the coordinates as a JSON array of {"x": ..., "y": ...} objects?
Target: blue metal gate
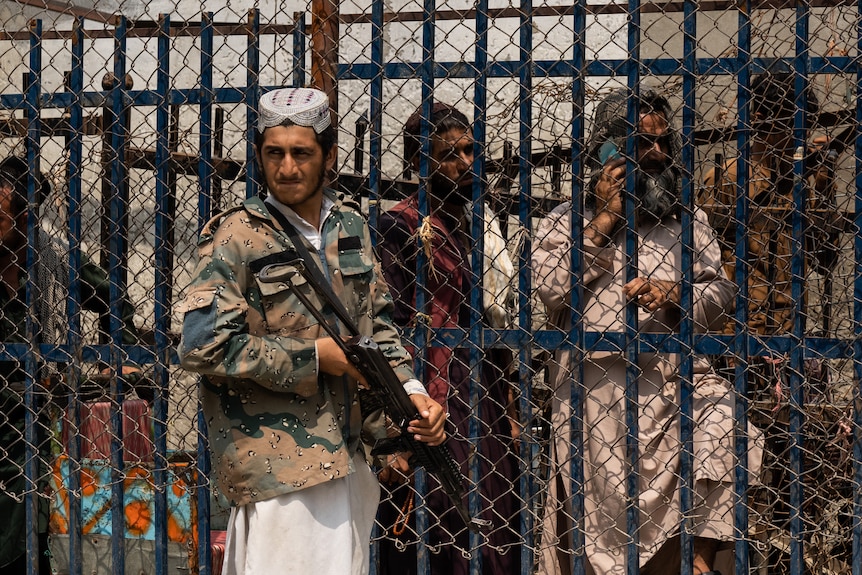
[{"x": 161, "y": 159}]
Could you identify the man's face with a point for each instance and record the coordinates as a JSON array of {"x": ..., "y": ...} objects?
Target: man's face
[
  {"x": 293, "y": 165},
  {"x": 653, "y": 144},
  {"x": 451, "y": 165},
  {"x": 657, "y": 178}
]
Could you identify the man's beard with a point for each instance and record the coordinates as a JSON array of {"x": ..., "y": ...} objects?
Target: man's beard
[
  {"x": 450, "y": 192},
  {"x": 658, "y": 195},
  {"x": 320, "y": 182}
]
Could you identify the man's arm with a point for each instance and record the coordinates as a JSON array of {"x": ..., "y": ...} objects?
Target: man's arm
[
  {"x": 552, "y": 259},
  {"x": 552, "y": 256},
  {"x": 216, "y": 339},
  {"x": 714, "y": 297},
  {"x": 383, "y": 309},
  {"x": 713, "y": 292},
  {"x": 609, "y": 203}
]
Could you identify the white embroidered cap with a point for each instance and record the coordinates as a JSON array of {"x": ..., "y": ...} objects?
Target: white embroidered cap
[{"x": 302, "y": 106}]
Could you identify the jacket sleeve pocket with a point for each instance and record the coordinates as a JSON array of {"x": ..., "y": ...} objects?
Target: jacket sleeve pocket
[
  {"x": 199, "y": 321},
  {"x": 282, "y": 310},
  {"x": 354, "y": 262}
]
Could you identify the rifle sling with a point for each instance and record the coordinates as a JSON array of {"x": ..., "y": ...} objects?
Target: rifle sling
[{"x": 319, "y": 282}]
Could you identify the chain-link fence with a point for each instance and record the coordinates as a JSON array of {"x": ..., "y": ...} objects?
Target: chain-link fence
[{"x": 687, "y": 372}]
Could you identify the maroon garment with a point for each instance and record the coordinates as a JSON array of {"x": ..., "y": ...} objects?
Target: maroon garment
[
  {"x": 448, "y": 380},
  {"x": 445, "y": 286}
]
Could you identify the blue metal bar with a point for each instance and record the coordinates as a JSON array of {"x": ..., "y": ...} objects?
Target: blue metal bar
[
  {"x": 686, "y": 368},
  {"x": 710, "y": 344},
  {"x": 857, "y": 317},
  {"x": 476, "y": 351},
  {"x": 608, "y": 67},
  {"x": 422, "y": 303},
  {"x": 506, "y": 69},
  {"x": 577, "y": 331},
  {"x": 741, "y": 349},
  {"x": 631, "y": 312},
  {"x": 797, "y": 272},
  {"x": 713, "y": 343},
  {"x": 529, "y": 444},
  {"x": 73, "y": 302},
  {"x": 205, "y": 168},
  {"x": 32, "y": 295},
  {"x": 88, "y": 353},
  {"x": 497, "y": 69},
  {"x": 205, "y": 173},
  {"x": 704, "y": 344},
  {"x": 204, "y": 466},
  {"x": 299, "y": 43},
  {"x": 251, "y": 98},
  {"x": 162, "y": 256},
  {"x": 375, "y": 152},
  {"x": 116, "y": 272},
  {"x": 375, "y": 117}
]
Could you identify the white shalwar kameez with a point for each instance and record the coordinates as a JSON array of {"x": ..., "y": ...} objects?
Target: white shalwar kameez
[
  {"x": 283, "y": 535},
  {"x": 658, "y": 401}
]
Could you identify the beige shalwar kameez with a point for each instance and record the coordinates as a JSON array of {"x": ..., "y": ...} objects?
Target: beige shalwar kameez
[{"x": 659, "y": 257}]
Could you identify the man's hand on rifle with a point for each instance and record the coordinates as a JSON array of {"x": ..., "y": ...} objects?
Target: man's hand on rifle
[
  {"x": 332, "y": 360},
  {"x": 429, "y": 429}
]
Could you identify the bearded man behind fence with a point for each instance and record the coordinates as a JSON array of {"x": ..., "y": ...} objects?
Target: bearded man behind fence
[{"x": 656, "y": 292}]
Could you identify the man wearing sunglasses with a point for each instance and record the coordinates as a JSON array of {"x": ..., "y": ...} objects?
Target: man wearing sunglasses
[{"x": 654, "y": 297}]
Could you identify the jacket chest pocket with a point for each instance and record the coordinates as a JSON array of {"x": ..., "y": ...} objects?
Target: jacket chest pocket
[
  {"x": 282, "y": 311},
  {"x": 356, "y": 270},
  {"x": 354, "y": 262}
]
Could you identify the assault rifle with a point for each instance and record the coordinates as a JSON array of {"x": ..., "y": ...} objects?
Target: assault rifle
[{"x": 366, "y": 356}]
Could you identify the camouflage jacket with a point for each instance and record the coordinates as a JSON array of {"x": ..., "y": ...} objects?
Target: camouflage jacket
[{"x": 276, "y": 425}]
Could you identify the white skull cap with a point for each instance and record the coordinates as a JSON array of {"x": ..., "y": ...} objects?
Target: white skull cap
[{"x": 302, "y": 106}]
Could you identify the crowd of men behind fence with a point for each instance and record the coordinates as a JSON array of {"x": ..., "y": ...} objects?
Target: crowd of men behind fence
[{"x": 289, "y": 430}]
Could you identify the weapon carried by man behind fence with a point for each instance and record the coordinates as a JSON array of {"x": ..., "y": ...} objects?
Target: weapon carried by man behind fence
[{"x": 366, "y": 356}]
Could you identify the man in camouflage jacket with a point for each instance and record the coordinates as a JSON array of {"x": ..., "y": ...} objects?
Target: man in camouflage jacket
[{"x": 280, "y": 398}]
